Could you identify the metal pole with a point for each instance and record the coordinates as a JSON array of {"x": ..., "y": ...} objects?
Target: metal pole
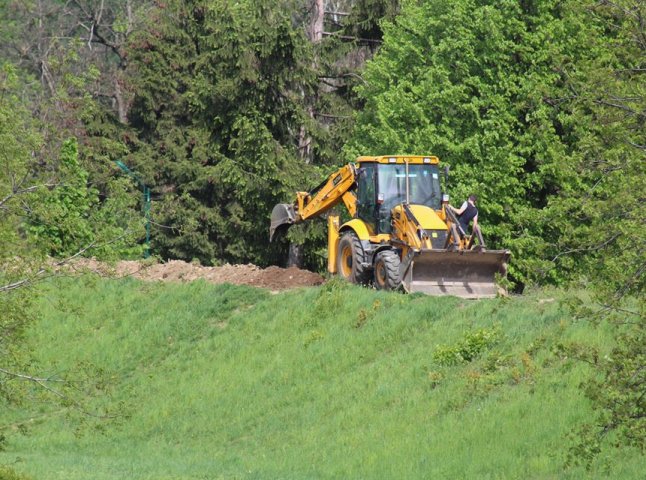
[
  {"x": 146, "y": 206},
  {"x": 147, "y": 216},
  {"x": 407, "y": 183}
]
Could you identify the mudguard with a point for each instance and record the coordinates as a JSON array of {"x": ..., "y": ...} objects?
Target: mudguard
[{"x": 359, "y": 227}]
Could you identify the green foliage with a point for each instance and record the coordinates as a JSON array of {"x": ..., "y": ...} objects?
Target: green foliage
[
  {"x": 19, "y": 257},
  {"x": 220, "y": 92},
  {"x": 13, "y": 322},
  {"x": 46, "y": 208},
  {"x": 61, "y": 220},
  {"x": 8, "y": 473},
  {"x": 488, "y": 88},
  {"x": 607, "y": 238},
  {"x": 19, "y": 138},
  {"x": 68, "y": 217},
  {"x": 604, "y": 234},
  {"x": 619, "y": 397},
  {"x": 468, "y": 348},
  {"x": 64, "y": 82},
  {"x": 366, "y": 17}
]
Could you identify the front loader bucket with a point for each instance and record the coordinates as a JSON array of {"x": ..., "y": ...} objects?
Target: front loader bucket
[
  {"x": 465, "y": 274},
  {"x": 283, "y": 216}
]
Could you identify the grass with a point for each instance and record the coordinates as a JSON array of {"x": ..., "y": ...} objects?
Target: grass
[{"x": 331, "y": 382}]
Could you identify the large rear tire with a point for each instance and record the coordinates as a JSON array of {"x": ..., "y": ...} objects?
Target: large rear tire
[
  {"x": 387, "y": 270},
  {"x": 351, "y": 260}
]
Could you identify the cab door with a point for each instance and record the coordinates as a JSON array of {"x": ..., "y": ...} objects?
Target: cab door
[{"x": 367, "y": 196}]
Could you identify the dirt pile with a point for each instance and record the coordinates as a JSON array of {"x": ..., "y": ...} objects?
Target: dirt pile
[{"x": 273, "y": 278}]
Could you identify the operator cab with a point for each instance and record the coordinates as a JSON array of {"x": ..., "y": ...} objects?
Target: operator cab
[{"x": 384, "y": 182}]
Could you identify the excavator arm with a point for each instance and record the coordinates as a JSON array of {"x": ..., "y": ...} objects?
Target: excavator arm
[{"x": 335, "y": 189}]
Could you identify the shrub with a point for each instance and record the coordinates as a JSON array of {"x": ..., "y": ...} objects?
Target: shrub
[
  {"x": 8, "y": 473},
  {"x": 468, "y": 348}
]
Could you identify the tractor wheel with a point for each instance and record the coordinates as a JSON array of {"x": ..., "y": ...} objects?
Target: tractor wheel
[
  {"x": 387, "y": 270},
  {"x": 351, "y": 259}
]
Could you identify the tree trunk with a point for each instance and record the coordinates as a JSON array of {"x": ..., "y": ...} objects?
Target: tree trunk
[
  {"x": 315, "y": 32},
  {"x": 295, "y": 258},
  {"x": 122, "y": 108}
]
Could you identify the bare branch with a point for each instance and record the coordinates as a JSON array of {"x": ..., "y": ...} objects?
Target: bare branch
[
  {"x": 100, "y": 13},
  {"x": 129, "y": 16},
  {"x": 625, "y": 11},
  {"x": 349, "y": 37},
  {"x": 39, "y": 273},
  {"x": 89, "y": 38},
  {"x": 341, "y": 14},
  {"x": 620, "y": 107},
  {"x": 344, "y": 75},
  {"x": 29, "y": 377},
  {"x": 641, "y": 147},
  {"x": 43, "y": 383},
  {"x": 588, "y": 249},
  {"x": 20, "y": 191},
  {"x": 327, "y": 115}
]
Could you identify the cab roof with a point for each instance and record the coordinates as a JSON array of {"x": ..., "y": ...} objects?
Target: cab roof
[{"x": 411, "y": 159}]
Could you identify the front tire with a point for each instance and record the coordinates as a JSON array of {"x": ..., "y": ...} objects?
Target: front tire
[
  {"x": 351, "y": 259},
  {"x": 387, "y": 270}
]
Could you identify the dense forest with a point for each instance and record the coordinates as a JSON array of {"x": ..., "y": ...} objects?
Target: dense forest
[
  {"x": 171, "y": 128},
  {"x": 222, "y": 109}
]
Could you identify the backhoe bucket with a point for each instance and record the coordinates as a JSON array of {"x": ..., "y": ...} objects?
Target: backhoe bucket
[
  {"x": 465, "y": 274},
  {"x": 283, "y": 216}
]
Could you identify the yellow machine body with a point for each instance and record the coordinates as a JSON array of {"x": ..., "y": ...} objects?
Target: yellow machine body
[{"x": 413, "y": 241}]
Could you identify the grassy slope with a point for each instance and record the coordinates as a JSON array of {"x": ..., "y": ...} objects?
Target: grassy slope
[{"x": 334, "y": 382}]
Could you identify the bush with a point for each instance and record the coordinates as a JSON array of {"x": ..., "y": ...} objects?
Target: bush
[
  {"x": 468, "y": 348},
  {"x": 8, "y": 473}
]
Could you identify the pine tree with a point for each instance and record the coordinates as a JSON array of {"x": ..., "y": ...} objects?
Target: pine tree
[{"x": 220, "y": 90}]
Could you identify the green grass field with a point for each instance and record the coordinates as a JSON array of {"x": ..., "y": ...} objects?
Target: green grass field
[{"x": 336, "y": 382}]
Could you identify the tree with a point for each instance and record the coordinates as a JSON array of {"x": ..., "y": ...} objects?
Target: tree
[
  {"x": 606, "y": 236},
  {"x": 40, "y": 34},
  {"x": 475, "y": 82},
  {"x": 540, "y": 108},
  {"x": 70, "y": 216},
  {"x": 18, "y": 139},
  {"x": 71, "y": 59},
  {"x": 220, "y": 90},
  {"x": 45, "y": 208}
]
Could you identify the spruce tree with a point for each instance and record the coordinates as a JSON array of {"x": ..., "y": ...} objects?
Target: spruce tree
[{"x": 220, "y": 90}]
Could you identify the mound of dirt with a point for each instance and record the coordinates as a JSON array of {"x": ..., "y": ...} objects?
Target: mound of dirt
[{"x": 273, "y": 278}]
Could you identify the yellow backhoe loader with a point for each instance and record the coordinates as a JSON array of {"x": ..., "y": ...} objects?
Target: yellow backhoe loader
[{"x": 402, "y": 232}]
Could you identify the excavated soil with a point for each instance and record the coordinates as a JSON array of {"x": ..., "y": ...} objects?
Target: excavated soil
[{"x": 273, "y": 278}]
